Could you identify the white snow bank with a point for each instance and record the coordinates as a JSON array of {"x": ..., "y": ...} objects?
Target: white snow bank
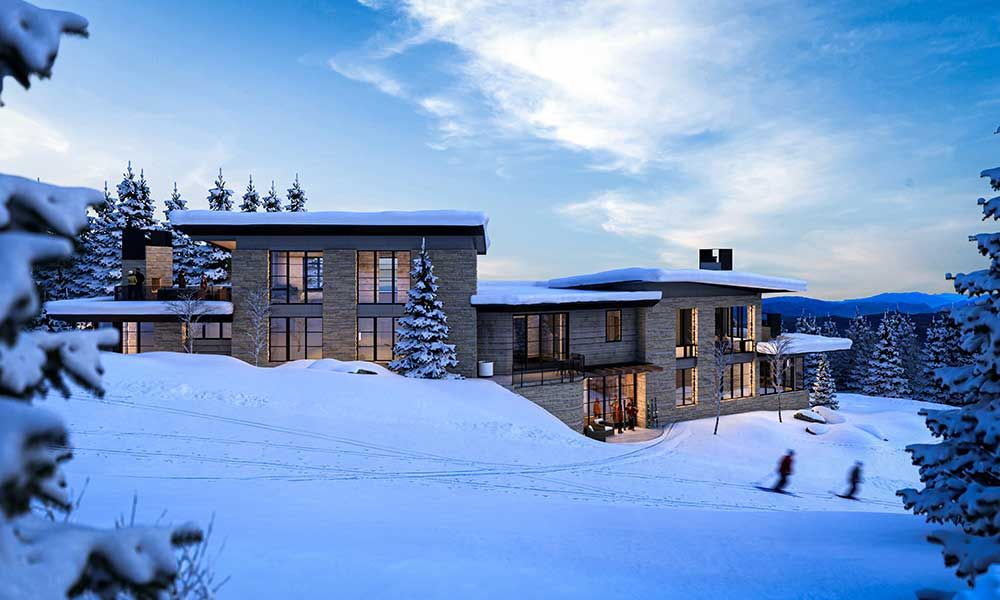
[
  {"x": 831, "y": 416},
  {"x": 809, "y": 415},
  {"x": 106, "y": 305},
  {"x": 390, "y": 218},
  {"x": 817, "y": 428},
  {"x": 518, "y": 293},
  {"x": 730, "y": 278},
  {"x": 804, "y": 343},
  {"x": 338, "y": 366}
]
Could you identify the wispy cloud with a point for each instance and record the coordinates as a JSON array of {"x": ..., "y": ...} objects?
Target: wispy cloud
[{"x": 369, "y": 74}]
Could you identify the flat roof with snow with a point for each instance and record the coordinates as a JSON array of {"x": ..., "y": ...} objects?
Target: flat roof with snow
[
  {"x": 106, "y": 308},
  {"x": 534, "y": 293},
  {"x": 739, "y": 279},
  {"x": 204, "y": 224}
]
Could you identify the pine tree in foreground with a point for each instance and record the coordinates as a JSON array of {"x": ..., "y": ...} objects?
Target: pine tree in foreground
[
  {"x": 421, "y": 347},
  {"x": 824, "y": 388},
  {"x": 271, "y": 202},
  {"x": 296, "y": 197},
  {"x": 942, "y": 348},
  {"x": 42, "y": 558},
  {"x": 859, "y": 356},
  {"x": 251, "y": 199},
  {"x": 886, "y": 375},
  {"x": 220, "y": 198},
  {"x": 961, "y": 473}
]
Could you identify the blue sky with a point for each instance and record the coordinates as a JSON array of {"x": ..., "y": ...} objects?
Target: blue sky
[{"x": 838, "y": 142}]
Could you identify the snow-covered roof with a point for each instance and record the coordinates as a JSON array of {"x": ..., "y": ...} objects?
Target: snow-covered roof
[
  {"x": 390, "y": 218},
  {"x": 108, "y": 306},
  {"x": 806, "y": 343},
  {"x": 523, "y": 293},
  {"x": 655, "y": 275}
]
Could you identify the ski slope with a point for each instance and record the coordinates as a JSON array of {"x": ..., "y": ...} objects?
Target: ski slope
[{"x": 326, "y": 483}]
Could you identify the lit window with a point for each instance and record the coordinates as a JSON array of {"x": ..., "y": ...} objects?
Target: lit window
[
  {"x": 613, "y": 326},
  {"x": 684, "y": 387},
  {"x": 296, "y": 277},
  {"x": 376, "y": 338},
  {"x": 383, "y": 277},
  {"x": 295, "y": 338}
]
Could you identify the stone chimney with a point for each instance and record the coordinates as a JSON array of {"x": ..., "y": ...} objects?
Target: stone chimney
[
  {"x": 715, "y": 259},
  {"x": 151, "y": 251}
]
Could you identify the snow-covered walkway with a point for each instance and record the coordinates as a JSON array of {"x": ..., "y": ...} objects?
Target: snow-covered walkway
[{"x": 331, "y": 484}]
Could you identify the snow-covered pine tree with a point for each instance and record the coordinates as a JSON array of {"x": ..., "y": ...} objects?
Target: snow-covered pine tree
[
  {"x": 960, "y": 474},
  {"x": 216, "y": 267},
  {"x": 909, "y": 348},
  {"x": 251, "y": 199},
  {"x": 886, "y": 375},
  {"x": 942, "y": 348},
  {"x": 824, "y": 388},
  {"x": 134, "y": 203},
  {"x": 189, "y": 256},
  {"x": 220, "y": 198},
  {"x": 271, "y": 202},
  {"x": 807, "y": 324},
  {"x": 838, "y": 361},
  {"x": 421, "y": 347},
  {"x": 42, "y": 558},
  {"x": 101, "y": 259},
  {"x": 296, "y": 197},
  {"x": 859, "y": 356}
]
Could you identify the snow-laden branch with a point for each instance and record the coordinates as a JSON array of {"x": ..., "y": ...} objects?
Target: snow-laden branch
[{"x": 29, "y": 39}]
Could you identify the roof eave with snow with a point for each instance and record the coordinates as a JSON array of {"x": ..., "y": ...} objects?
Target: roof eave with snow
[
  {"x": 533, "y": 294},
  {"x": 740, "y": 279},
  {"x": 105, "y": 308}
]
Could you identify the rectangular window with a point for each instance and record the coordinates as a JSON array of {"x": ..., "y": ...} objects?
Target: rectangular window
[
  {"x": 684, "y": 391},
  {"x": 296, "y": 277},
  {"x": 687, "y": 345},
  {"x": 540, "y": 339},
  {"x": 383, "y": 276},
  {"x": 733, "y": 323},
  {"x": 737, "y": 381},
  {"x": 212, "y": 331},
  {"x": 613, "y": 326},
  {"x": 376, "y": 338},
  {"x": 608, "y": 397},
  {"x": 295, "y": 338},
  {"x": 136, "y": 337}
]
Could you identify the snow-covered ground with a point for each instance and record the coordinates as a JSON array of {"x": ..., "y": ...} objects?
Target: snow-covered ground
[{"x": 333, "y": 484}]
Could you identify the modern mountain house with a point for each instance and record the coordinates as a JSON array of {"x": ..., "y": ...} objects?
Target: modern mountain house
[{"x": 585, "y": 347}]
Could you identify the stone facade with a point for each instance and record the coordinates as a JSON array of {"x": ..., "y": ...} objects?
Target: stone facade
[
  {"x": 563, "y": 400},
  {"x": 456, "y": 270},
  {"x": 167, "y": 337},
  {"x": 249, "y": 272},
  {"x": 159, "y": 268},
  {"x": 340, "y": 304}
]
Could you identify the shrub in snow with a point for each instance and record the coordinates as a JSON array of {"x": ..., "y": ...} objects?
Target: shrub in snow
[
  {"x": 886, "y": 374},
  {"x": 296, "y": 197},
  {"x": 824, "y": 389},
  {"x": 960, "y": 474},
  {"x": 41, "y": 558},
  {"x": 271, "y": 202},
  {"x": 251, "y": 199},
  {"x": 809, "y": 416},
  {"x": 421, "y": 347}
]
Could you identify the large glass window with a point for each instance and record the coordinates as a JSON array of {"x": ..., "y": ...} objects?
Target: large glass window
[
  {"x": 737, "y": 380},
  {"x": 608, "y": 397},
  {"x": 684, "y": 390},
  {"x": 212, "y": 331},
  {"x": 136, "y": 337},
  {"x": 733, "y": 323},
  {"x": 613, "y": 326},
  {"x": 376, "y": 338},
  {"x": 687, "y": 345},
  {"x": 383, "y": 276},
  {"x": 792, "y": 379},
  {"x": 540, "y": 338},
  {"x": 294, "y": 338},
  {"x": 296, "y": 277}
]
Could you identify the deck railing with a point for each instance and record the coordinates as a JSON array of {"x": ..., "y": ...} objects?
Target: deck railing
[
  {"x": 146, "y": 292},
  {"x": 532, "y": 373}
]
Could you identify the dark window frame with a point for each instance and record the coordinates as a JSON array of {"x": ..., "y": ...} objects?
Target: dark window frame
[
  {"x": 613, "y": 325},
  {"x": 287, "y": 346},
  {"x": 732, "y": 369},
  {"x": 398, "y": 293},
  {"x": 312, "y": 260},
  {"x": 376, "y": 358},
  {"x": 689, "y": 376},
  {"x": 149, "y": 330},
  {"x": 793, "y": 381},
  {"x": 197, "y": 331},
  {"x": 689, "y": 349},
  {"x": 624, "y": 381}
]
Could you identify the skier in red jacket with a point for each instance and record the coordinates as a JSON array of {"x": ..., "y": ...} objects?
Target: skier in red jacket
[{"x": 784, "y": 471}]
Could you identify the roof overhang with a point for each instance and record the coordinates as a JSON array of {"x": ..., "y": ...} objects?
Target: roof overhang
[{"x": 106, "y": 310}]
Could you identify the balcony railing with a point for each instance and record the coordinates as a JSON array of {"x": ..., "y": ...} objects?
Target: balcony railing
[
  {"x": 534, "y": 372},
  {"x": 146, "y": 292},
  {"x": 687, "y": 351}
]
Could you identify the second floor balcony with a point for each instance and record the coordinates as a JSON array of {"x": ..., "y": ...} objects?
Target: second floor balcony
[{"x": 146, "y": 292}]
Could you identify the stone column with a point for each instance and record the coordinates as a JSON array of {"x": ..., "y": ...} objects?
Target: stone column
[
  {"x": 249, "y": 272},
  {"x": 340, "y": 304},
  {"x": 456, "y": 270},
  {"x": 707, "y": 379},
  {"x": 657, "y": 338}
]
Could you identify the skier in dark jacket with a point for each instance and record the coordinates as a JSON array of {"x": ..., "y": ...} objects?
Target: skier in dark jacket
[
  {"x": 784, "y": 471},
  {"x": 854, "y": 478}
]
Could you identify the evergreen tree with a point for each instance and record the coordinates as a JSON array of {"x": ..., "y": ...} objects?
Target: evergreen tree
[
  {"x": 296, "y": 197},
  {"x": 421, "y": 346},
  {"x": 824, "y": 388},
  {"x": 251, "y": 199},
  {"x": 838, "y": 361},
  {"x": 960, "y": 473},
  {"x": 271, "y": 202},
  {"x": 100, "y": 268},
  {"x": 886, "y": 375},
  {"x": 134, "y": 203},
  {"x": 807, "y": 324},
  {"x": 859, "y": 356},
  {"x": 189, "y": 256},
  {"x": 220, "y": 198},
  {"x": 909, "y": 347},
  {"x": 942, "y": 348}
]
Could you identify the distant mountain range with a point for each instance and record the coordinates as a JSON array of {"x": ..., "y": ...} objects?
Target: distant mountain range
[{"x": 907, "y": 302}]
